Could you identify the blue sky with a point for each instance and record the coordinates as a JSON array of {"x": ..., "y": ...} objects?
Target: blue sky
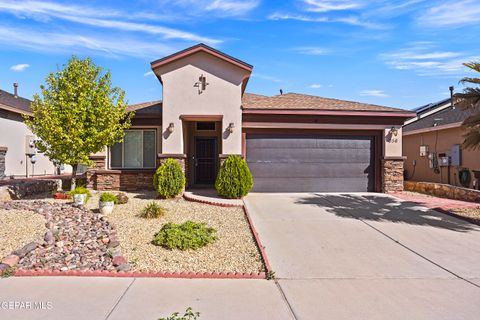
[{"x": 395, "y": 53}]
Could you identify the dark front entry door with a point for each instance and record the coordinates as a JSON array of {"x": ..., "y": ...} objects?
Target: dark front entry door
[{"x": 205, "y": 160}]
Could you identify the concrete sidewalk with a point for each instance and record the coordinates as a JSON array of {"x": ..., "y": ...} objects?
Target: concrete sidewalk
[{"x": 141, "y": 298}]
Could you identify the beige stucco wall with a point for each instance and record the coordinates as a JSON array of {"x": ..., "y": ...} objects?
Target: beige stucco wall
[
  {"x": 446, "y": 138},
  {"x": 392, "y": 146},
  {"x": 13, "y": 133},
  {"x": 221, "y": 97}
]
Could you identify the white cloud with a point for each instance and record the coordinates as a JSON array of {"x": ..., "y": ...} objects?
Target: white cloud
[
  {"x": 315, "y": 86},
  {"x": 331, "y": 5},
  {"x": 68, "y": 42},
  {"x": 374, "y": 93},
  {"x": 452, "y": 14},
  {"x": 97, "y": 17},
  {"x": 351, "y": 20},
  {"x": 19, "y": 67},
  {"x": 232, "y": 7},
  {"x": 148, "y": 74},
  {"x": 314, "y": 51},
  {"x": 423, "y": 59}
]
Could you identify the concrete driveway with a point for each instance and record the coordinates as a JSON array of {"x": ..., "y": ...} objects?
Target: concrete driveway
[{"x": 368, "y": 256}]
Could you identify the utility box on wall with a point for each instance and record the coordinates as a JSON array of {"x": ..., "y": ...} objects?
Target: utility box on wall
[
  {"x": 456, "y": 155},
  {"x": 423, "y": 151}
]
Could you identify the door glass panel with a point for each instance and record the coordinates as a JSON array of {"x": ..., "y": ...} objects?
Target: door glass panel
[
  {"x": 149, "y": 149},
  {"x": 133, "y": 144}
]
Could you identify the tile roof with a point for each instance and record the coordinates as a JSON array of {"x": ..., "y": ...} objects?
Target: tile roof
[
  {"x": 143, "y": 105},
  {"x": 442, "y": 117},
  {"x": 15, "y": 104},
  {"x": 296, "y": 101}
]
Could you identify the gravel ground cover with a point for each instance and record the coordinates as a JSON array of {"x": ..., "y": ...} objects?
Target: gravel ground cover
[
  {"x": 234, "y": 251},
  {"x": 18, "y": 228},
  {"x": 72, "y": 239},
  {"x": 468, "y": 212}
]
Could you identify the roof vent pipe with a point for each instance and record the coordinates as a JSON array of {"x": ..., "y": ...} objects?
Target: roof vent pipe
[
  {"x": 281, "y": 91},
  {"x": 15, "y": 89},
  {"x": 451, "y": 97}
]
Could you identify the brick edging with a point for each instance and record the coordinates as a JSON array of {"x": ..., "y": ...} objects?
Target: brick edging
[
  {"x": 140, "y": 274},
  {"x": 212, "y": 203},
  {"x": 268, "y": 268}
]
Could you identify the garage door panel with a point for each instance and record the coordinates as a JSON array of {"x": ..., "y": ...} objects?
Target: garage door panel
[
  {"x": 278, "y": 155},
  {"x": 310, "y": 170},
  {"x": 310, "y": 185},
  {"x": 311, "y": 163}
]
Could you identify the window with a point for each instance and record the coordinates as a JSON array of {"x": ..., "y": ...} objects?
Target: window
[
  {"x": 136, "y": 151},
  {"x": 205, "y": 126}
]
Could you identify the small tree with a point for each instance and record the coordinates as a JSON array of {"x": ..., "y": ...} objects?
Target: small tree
[
  {"x": 78, "y": 113},
  {"x": 234, "y": 179},
  {"x": 470, "y": 99}
]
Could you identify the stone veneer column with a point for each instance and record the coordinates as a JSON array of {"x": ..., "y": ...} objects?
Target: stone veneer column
[
  {"x": 392, "y": 174},
  {"x": 3, "y": 154}
]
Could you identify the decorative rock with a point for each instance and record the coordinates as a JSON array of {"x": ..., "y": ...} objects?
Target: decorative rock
[
  {"x": 3, "y": 267},
  {"x": 123, "y": 267},
  {"x": 118, "y": 261},
  {"x": 26, "y": 249},
  {"x": 64, "y": 269},
  {"x": 49, "y": 239},
  {"x": 105, "y": 240},
  {"x": 59, "y": 244},
  {"x": 11, "y": 260},
  {"x": 113, "y": 243}
]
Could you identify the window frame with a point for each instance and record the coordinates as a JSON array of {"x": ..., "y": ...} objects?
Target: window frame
[{"x": 123, "y": 151}]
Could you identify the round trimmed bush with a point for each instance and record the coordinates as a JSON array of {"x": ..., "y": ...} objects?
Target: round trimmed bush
[
  {"x": 234, "y": 179},
  {"x": 169, "y": 179}
]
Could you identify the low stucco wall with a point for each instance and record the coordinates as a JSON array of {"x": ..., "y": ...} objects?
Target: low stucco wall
[{"x": 443, "y": 190}]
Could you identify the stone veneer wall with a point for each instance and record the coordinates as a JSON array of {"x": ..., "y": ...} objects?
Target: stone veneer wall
[
  {"x": 16, "y": 190},
  {"x": 443, "y": 190},
  {"x": 3, "y": 154},
  {"x": 392, "y": 175}
]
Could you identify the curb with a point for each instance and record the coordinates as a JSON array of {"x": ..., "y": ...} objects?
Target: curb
[
  {"x": 257, "y": 241},
  {"x": 212, "y": 203},
  {"x": 134, "y": 274}
]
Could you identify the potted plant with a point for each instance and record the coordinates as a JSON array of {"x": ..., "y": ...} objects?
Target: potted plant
[
  {"x": 80, "y": 195},
  {"x": 106, "y": 203}
]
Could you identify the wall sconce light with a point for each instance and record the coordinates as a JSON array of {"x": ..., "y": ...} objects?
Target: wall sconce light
[
  {"x": 230, "y": 128},
  {"x": 201, "y": 84},
  {"x": 394, "y": 131},
  {"x": 171, "y": 126}
]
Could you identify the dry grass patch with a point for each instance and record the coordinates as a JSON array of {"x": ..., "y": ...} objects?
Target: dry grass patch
[
  {"x": 235, "y": 249},
  {"x": 18, "y": 228}
]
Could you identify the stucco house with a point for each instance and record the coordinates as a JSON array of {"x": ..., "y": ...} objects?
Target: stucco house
[
  {"x": 18, "y": 156},
  {"x": 432, "y": 142},
  {"x": 291, "y": 142}
]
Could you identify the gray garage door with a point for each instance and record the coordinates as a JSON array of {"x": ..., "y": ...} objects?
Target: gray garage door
[{"x": 311, "y": 163}]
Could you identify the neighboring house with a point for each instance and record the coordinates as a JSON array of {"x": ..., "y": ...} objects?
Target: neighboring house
[
  {"x": 432, "y": 143},
  {"x": 291, "y": 142},
  {"x": 17, "y": 141}
]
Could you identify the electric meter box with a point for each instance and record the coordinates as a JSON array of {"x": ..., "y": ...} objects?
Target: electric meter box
[
  {"x": 423, "y": 151},
  {"x": 456, "y": 154},
  {"x": 30, "y": 145}
]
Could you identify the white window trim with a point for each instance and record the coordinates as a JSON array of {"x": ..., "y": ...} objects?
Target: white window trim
[{"x": 123, "y": 151}]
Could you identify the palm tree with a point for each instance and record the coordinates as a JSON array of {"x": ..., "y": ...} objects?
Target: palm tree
[{"x": 470, "y": 99}]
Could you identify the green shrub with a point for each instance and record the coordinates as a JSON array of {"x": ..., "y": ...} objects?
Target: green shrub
[
  {"x": 122, "y": 198},
  {"x": 234, "y": 179},
  {"x": 189, "y": 315},
  {"x": 169, "y": 179},
  {"x": 152, "y": 211},
  {"x": 108, "y": 197},
  {"x": 188, "y": 235},
  {"x": 80, "y": 190}
]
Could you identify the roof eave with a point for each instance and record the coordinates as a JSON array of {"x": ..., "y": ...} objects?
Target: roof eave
[{"x": 359, "y": 113}]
